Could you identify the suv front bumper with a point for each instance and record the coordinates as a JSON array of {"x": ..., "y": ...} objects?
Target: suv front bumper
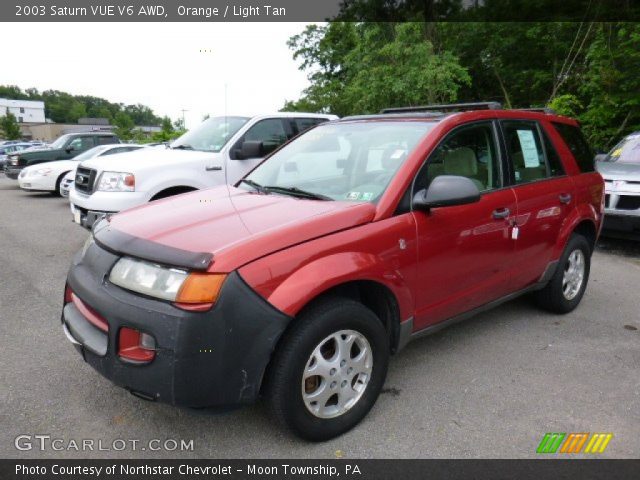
[
  {"x": 622, "y": 209},
  {"x": 213, "y": 358}
]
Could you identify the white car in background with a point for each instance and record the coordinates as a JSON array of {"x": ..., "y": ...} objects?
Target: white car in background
[
  {"x": 220, "y": 150},
  {"x": 48, "y": 176}
]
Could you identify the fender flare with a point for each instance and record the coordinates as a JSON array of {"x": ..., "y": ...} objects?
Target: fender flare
[
  {"x": 578, "y": 215},
  {"x": 323, "y": 274}
]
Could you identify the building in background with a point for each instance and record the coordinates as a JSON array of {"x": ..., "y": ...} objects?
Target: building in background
[{"x": 25, "y": 111}]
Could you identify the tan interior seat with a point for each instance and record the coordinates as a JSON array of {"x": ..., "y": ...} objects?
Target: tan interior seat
[{"x": 462, "y": 161}]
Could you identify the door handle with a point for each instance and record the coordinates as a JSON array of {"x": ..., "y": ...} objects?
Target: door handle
[
  {"x": 499, "y": 213},
  {"x": 565, "y": 198},
  {"x": 210, "y": 168}
]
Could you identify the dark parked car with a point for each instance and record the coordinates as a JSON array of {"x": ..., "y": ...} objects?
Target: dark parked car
[{"x": 65, "y": 147}]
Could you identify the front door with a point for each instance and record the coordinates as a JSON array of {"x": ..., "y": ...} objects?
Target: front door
[{"x": 464, "y": 251}]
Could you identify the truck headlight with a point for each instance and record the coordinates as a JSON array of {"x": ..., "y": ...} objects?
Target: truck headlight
[
  {"x": 117, "y": 182},
  {"x": 166, "y": 283},
  {"x": 13, "y": 160}
]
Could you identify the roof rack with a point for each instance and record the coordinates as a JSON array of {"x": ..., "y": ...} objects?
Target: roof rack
[
  {"x": 453, "y": 107},
  {"x": 537, "y": 109}
]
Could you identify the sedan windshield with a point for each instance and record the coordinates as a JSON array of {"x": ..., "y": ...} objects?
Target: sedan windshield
[
  {"x": 92, "y": 152},
  {"x": 341, "y": 161},
  {"x": 627, "y": 151},
  {"x": 211, "y": 135}
]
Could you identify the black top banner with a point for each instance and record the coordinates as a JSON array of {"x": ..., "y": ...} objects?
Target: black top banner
[{"x": 318, "y": 10}]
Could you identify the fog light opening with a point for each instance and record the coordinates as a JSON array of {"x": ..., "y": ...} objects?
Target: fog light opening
[{"x": 135, "y": 346}]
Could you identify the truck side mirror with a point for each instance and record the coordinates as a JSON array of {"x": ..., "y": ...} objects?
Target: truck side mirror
[{"x": 251, "y": 149}]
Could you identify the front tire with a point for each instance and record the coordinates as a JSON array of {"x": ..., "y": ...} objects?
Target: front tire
[
  {"x": 329, "y": 369},
  {"x": 567, "y": 286}
]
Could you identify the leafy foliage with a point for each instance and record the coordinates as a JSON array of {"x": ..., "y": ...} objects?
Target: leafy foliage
[
  {"x": 9, "y": 128},
  {"x": 587, "y": 70},
  {"x": 62, "y": 107}
]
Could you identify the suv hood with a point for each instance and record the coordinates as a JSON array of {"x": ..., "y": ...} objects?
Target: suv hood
[
  {"x": 144, "y": 158},
  {"x": 618, "y": 171},
  {"x": 237, "y": 226}
]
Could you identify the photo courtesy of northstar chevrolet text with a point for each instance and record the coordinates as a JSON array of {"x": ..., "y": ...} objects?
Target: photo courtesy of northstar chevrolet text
[{"x": 320, "y": 238}]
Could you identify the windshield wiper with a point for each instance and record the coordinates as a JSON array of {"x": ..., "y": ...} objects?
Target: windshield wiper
[
  {"x": 255, "y": 185},
  {"x": 183, "y": 147},
  {"x": 297, "y": 192}
]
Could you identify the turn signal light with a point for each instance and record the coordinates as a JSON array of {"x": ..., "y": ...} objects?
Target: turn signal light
[
  {"x": 199, "y": 291},
  {"x": 135, "y": 346}
]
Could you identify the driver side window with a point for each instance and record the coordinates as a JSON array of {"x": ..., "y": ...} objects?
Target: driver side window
[
  {"x": 469, "y": 151},
  {"x": 270, "y": 132}
]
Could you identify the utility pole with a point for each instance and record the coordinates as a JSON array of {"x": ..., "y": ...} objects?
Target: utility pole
[{"x": 184, "y": 124}]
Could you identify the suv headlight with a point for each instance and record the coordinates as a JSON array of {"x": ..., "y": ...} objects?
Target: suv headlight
[{"x": 166, "y": 283}]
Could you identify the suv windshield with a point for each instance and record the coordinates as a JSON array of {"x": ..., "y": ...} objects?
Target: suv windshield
[
  {"x": 211, "y": 135},
  {"x": 59, "y": 142},
  {"x": 341, "y": 161},
  {"x": 627, "y": 151}
]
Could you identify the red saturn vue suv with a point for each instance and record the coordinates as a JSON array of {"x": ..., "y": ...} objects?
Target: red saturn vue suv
[{"x": 299, "y": 282}]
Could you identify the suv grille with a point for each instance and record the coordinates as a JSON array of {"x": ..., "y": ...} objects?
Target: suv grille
[{"x": 85, "y": 178}]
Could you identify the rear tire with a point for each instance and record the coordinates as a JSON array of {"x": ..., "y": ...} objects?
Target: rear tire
[
  {"x": 329, "y": 369},
  {"x": 567, "y": 286}
]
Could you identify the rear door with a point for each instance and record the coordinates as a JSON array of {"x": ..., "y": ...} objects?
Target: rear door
[
  {"x": 545, "y": 196},
  {"x": 464, "y": 251}
]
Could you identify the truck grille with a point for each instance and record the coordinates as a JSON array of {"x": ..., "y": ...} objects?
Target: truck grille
[
  {"x": 85, "y": 178},
  {"x": 627, "y": 202}
]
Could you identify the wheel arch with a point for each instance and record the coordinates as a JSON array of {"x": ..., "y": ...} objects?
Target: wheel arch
[{"x": 171, "y": 191}]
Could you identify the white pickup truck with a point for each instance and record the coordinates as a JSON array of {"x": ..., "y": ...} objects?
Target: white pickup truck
[{"x": 220, "y": 150}]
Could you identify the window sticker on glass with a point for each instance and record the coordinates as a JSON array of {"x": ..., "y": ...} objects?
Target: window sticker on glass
[
  {"x": 353, "y": 195},
  {"x": 366, "y": 196},
  {"x": 397, "y": 154},
  {"x": 529, "y": 149}
]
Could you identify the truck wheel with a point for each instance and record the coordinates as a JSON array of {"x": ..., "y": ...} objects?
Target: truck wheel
[
  {"x": 329, "y": 369},
  {"x": 565, "y": 289}
]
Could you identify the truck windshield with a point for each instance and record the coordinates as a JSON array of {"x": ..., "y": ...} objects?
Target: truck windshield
[
  {"x": 59, "y": 142},
  {"x": 340, "y": 161},
  {"x": 627, "y": 151},
  {"x": 211, "y": 135}
]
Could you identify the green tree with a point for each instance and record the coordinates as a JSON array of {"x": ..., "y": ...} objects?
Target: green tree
[
  {"x": 361, "y": 68},
  {"x": 9, "y": 127},
  {"x": 123, "y": 126}
]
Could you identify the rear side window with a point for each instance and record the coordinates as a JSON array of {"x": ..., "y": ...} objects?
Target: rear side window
[
  {"x": 303, "y": 124},
  {"x": 532, "y": 156},
  {"x": 103, "y": 140},
  {"x": 578, "y": 145}
]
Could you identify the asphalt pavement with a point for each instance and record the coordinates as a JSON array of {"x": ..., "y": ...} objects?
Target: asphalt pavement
[{"x": 486, "y": 388}]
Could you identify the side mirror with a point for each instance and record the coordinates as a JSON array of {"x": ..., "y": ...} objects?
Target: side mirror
[
  {"x": 70, "y": 149},
  {"x": 446, "y": 191},
  {"x": 600, "y": 157},
  {"x": 251, "y": 149}
]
